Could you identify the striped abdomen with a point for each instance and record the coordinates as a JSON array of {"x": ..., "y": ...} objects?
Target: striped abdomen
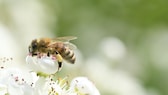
[{"x": 65, "y": 52}]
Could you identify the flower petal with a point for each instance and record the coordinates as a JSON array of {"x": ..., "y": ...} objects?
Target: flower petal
[{"x": 44, "y": 64}]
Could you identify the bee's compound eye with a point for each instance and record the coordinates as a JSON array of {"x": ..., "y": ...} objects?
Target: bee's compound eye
[{"x": 34, "y": 46}]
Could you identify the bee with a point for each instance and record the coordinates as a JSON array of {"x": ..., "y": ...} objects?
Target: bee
[{"x": 59, "y": 47}]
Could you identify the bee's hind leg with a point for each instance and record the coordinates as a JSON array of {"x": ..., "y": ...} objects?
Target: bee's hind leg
[
  {"x": 59, "y": 60},
  {"x": 59, "y": 65}
]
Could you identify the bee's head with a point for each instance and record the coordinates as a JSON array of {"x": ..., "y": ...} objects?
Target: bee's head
[{"x": 33, "y": 48}]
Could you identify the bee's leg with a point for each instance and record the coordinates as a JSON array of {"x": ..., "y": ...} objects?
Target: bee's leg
[
  {"x": 59, "y": 65},
  {"x": 59, "y": 59},
  {"x": 48, "y": 54},
  {"x": 34, "y": 54}
]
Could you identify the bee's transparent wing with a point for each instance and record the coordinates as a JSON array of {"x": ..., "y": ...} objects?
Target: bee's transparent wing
[
  {"x": 65, "y": 39},
  {"x": 70, "y": 45}
]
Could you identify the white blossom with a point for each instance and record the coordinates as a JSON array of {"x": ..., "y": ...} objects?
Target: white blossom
[
  {"x": 44, "y": 64},
  {"x": 19, "y": 81},
  {"x": 13, "y": 82},
  {"x": 82, "y": 85}
]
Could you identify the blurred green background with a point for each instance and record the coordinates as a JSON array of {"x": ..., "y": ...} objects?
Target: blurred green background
[{"x": 122, "y": 44}]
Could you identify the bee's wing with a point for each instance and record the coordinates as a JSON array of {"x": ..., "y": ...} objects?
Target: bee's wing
[
  {"x": 64, "y": 39},
  {"x": 70, "y": 45}
]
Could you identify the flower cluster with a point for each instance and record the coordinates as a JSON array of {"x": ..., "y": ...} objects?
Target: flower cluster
[{"x": 41, "y": 80}]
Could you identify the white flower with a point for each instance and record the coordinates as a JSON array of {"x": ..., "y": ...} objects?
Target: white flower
[
  {"x": 13, "y": 82},
  {"x": 83, "y": 86},
  {"x": 45, "y": 64},
  {"x": 78, "y": 86},
  {"x": 49, "y": 86},
  {"x": 18, "y": 81}
]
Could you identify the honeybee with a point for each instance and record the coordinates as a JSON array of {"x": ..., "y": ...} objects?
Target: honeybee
[{"x": 59, "y": 47}]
